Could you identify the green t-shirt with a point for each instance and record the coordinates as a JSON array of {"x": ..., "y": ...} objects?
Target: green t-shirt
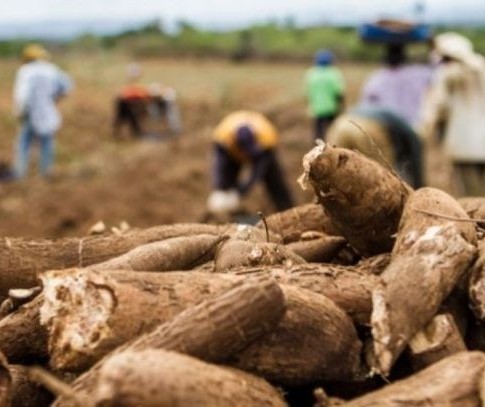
[{"x": 324, "y": 87}]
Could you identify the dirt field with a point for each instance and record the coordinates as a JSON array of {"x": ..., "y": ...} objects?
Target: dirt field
[{"x": 149, "y": 183}]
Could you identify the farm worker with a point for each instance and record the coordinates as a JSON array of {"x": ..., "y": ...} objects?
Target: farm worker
[
  {"x": 383, "y": 136},
  {"x": 398, "y": 86},
  {"x": 384, "y": 123},
  {"x": 136, "y": 103},
  {"x": 246, "y": 138},
  {"x": 456, "y": 106},
  {"x": 324, "y": 87},
  {"x": 39, "y": 85}
]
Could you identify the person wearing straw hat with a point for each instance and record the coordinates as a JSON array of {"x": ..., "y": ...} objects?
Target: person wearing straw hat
[
  {"x": 39, "y": 84},
  {"x": 455, "y": 105}
]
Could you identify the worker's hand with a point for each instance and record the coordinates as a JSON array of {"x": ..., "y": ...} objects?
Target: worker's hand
[{"x": 220, "y": 201}]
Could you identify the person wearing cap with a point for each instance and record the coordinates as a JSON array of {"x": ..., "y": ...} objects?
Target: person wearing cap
[
  {"x": 39, "y": 85},
  {"x": 324, "y": 86},
  {"x": 246, "y": 138},
  {"x": 455, "y": 106}
]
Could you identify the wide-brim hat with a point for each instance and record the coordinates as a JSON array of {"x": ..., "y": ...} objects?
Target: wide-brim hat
[
  {"x": 459, "y": 48},
  {"x": 33, "y": 52}
]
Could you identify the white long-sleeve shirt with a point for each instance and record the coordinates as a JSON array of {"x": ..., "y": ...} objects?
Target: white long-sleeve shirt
[
  {"x": 38, "y": 85},
  {"x": 458, "y": 98}
]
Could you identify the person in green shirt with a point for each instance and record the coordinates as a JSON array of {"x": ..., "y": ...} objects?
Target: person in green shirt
[{"x": 324, "y": 87}]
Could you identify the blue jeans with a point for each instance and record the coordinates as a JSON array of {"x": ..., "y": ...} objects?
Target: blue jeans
[{"x": 25, "y": 139}]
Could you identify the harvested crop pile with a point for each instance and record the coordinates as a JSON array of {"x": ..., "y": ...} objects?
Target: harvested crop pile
[{"x": 302, "y": 309}]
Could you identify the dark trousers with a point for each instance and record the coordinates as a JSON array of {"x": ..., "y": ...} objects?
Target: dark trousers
[
  {"x": 321, "y": 125},
  {"x": 227, "y": 171},
  {"x": 406, "y": 143},
  {"x": 131, "y": 113}
]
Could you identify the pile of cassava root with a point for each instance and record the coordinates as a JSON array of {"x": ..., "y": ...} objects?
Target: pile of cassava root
[{"x": 374, "y": 296}]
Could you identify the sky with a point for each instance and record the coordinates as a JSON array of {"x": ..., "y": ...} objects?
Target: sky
[{"x": 226, "y": 12}]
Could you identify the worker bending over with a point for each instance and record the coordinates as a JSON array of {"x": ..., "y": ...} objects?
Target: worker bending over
[{"x": 246, "y": 138}]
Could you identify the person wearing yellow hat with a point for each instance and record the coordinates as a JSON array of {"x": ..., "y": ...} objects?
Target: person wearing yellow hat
[
  {"x": 39, "y": 84},
  {"x": 33, "y": 52},
  {"x": 455, "y": 105}
]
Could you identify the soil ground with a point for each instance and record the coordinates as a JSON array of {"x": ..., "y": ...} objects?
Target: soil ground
[{"x": 147, "y": 183}]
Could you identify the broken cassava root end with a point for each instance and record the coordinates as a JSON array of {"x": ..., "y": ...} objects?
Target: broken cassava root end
[
  {"x": 308, "y": 158},
  {"x": 89, "y": 298},
  {"x": 212, "y": 330}
]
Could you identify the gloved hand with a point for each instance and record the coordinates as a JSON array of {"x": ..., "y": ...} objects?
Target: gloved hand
[{"x": 220, "y": 201}]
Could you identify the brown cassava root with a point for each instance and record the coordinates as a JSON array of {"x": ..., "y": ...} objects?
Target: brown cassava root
[
  {"x": 364, "y": 199},
  {"x": 455, "y": 381},
  {"x": 292, "y": 223},
  {"x": 430, "y": 256},
  {"x": 157, "y": 377},
  {"x": 315, "y": 341},
  {"x": 21, "y": 260},
  {"x": 88, "y": 314},
  {"x": 213, "y": 330}
]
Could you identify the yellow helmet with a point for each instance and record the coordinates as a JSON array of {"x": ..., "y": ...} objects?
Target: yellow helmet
[{"x": 33, "y": 52}]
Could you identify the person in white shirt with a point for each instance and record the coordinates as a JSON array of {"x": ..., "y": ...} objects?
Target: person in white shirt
[
  {"x": 455, "y": 110},
  {"x": 39, "y": 85}
]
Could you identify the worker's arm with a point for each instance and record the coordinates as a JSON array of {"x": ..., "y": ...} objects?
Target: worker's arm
[
  {"x": 64, "y": 85},
  {"x": 435, "y": 108},
  {"x": 21, "y": 92},
  {"x": 260, "y": 163},
  {"x": 219, "y": 168}
]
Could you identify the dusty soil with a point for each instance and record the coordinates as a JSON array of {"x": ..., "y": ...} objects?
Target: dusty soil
[{"x": 147, "y": 183}]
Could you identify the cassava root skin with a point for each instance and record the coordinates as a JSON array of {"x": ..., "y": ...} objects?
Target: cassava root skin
[
  {"x": 349, "y": 287},
  {"x": 212, "y": 331},
  {"x": 21, "y": 260},
  {"x": 364, "y": 199},
  {"x": 320, "y": 250},
  {"x": 88, "y": 314},
  {"x": 24, "y": 391},
  {"x": 412, "y": 289},
  {"x": 17, "y": 389},
  {"x": 456, "y": 381},
  {"x": 22, "y": 338},
  {"x": 156, "y": 377},
  {"x": 316, "y": 341},
  {"x": 177, "y": 253},
  {"x": 238, "y": 253},
  {"x": 439, "y": 339},
  {"x": 311, "y": 319},
  {"x": 292, "y": 223},
  {"x": 430, "y": 256},
  {"x": 474, "y": 207},
  {"x": 476, "y": 287},
  {"x": 416, "y": 218}
]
